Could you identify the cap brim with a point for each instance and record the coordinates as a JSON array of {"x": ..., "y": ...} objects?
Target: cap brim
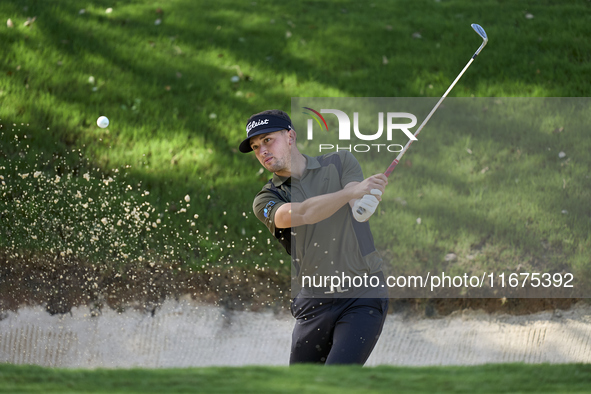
[{"x": 245, "y": 145}]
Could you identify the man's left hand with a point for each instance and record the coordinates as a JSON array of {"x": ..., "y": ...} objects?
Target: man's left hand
[{"x": 369, "y": 203}]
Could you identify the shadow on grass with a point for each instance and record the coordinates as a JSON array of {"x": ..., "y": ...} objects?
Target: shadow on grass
[{"x": 345, "y": 56}]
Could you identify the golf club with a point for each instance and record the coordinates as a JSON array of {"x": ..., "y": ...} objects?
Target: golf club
[{"x": 478, "y": 29}]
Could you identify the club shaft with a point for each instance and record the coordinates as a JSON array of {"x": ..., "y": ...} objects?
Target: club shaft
[
  {"x": 360, "y": 210},
  {"x": 403, "y": 151}
]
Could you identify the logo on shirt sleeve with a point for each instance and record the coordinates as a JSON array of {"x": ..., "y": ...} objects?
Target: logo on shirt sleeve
[{"x": 268, "y": 207}]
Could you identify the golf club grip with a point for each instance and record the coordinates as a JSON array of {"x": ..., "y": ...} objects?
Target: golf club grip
[{"x": 391, "y": 168}]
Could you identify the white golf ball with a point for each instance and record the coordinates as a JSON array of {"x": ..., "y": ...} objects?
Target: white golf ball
[{"x": 102, "y": 122}]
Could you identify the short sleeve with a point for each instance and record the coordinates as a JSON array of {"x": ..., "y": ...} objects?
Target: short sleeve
[
  {"x": 264, "y": 206},
  {"x": 351, "y": 169}
]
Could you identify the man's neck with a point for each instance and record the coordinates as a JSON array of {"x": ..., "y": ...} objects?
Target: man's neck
[{"x": 298, "y": 165}]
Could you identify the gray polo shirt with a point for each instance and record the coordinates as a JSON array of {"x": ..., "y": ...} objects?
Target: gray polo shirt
[{"x": 336, "y": 245}]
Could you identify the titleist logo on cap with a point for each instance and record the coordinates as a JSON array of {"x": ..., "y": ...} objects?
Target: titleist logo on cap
[{"x": 255, "y": 123}]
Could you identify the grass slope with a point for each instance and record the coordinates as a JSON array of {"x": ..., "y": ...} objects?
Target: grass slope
[
  {"x": 177, "y": 117},
  {"x": 506, "y": 378}
]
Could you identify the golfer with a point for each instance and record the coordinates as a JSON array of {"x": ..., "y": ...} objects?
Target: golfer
[{"x": 311, "y": 206}]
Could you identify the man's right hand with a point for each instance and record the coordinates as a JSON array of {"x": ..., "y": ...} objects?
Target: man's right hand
[
  {"x": 367, "y": 194},
  {"x": 378, "y": 181}
]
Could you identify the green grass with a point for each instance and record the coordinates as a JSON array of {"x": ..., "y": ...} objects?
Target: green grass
[
  {"x": 176, "y": 120},
  {"x": 506, "y": 378}
]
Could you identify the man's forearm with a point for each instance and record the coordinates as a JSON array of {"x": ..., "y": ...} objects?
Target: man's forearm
[{"x": 316, "y": 209}]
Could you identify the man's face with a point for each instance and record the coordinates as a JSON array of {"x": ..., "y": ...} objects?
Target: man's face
[{"x": 273, "y": 150}]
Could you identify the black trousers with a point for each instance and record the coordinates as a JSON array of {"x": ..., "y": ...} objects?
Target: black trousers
[{"x": 336, "y": 330}]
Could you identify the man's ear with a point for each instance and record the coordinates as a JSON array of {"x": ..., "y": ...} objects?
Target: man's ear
[{"x": 292, "y": 136}]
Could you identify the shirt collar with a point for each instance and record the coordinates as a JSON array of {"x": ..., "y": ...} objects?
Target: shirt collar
[
  {"x": 279, "y": 180},
  {"x": 311, "y": 163}
]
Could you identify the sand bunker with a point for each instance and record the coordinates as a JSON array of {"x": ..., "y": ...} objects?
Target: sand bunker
[{"x": 186, "y": 333}]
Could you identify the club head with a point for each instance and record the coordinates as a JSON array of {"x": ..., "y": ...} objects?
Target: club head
[{"x": 478, "y": 29}]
